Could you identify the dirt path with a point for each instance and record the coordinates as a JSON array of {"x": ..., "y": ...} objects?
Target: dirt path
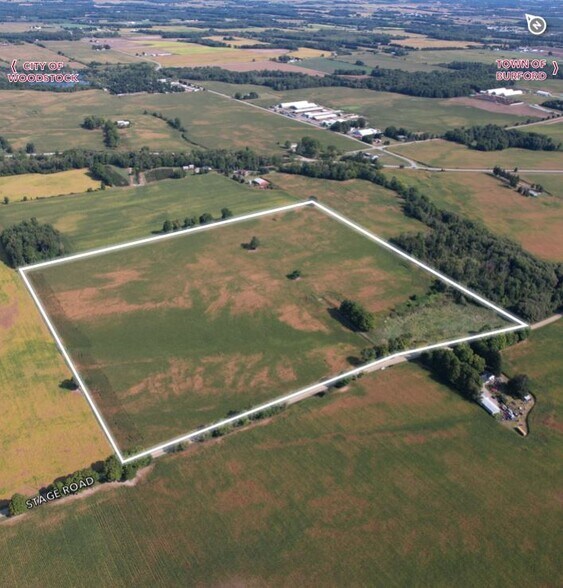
[{"x": 545, "y": 322}]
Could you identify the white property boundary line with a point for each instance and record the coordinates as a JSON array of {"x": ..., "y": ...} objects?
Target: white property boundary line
[{"x": 288, "y": 397}]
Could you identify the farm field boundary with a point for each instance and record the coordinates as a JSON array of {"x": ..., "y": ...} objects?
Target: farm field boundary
[{"x": 302, "y": 393}]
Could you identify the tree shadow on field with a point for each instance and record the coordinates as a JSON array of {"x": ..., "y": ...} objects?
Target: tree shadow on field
[{"x": 338, "y": 316}]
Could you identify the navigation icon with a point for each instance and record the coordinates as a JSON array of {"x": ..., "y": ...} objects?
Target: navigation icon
[{"x": 536, "y": 24}]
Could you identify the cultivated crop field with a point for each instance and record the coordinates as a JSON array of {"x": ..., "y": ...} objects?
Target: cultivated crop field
[
  {"x": 383, "y": 109},
  {"x": 533, "y": 222},
  {"x": 42, "y": 185},
  {"x": 121, "y": 214},
  {"x": 397, "y": 478},
  {"x": 46, "y": 431},
  {"x": 440, "y": 153},
  {"x": 52, "y": 122},
  {"x": 175, "y": 334}
]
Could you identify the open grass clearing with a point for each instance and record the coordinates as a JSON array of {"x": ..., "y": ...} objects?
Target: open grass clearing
[
  {"x": 533, "y": 222},
  {"x": 30, "y": 186},
  {"x": 374, "y": 207},
  {"x": 445, "y": 154},
  {"x": 396, "y": 481},
  {"x": 122, "y": 214},
  {"x": 46, "y": 432},
  {"x": 169, "y": 338}
]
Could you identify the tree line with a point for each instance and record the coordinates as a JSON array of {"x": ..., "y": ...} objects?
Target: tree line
[
  {"x": 555, "y": 104},
  {"x": 224, "y": 160},
  {"x": 495, "y": 138},
  {"x": 434, "y": 84},
  {"x": 111, "y": 470}
]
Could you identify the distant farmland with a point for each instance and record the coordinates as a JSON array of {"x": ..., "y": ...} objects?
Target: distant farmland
[
  {"x": 175, "y": 334},
  {"x": 53, "y": 122}
]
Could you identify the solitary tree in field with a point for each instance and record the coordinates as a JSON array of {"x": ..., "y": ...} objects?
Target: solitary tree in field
[
  {"x": 30, "y": 148},
  {"x": 166, "y": 226},
  {"x": 190, "y": 221},
  {"x": 294, "y": 275},
  {"x": 226, "y": 213},
  {"x": 6, "y": 200},
  {"x": 254, "y": 243}
]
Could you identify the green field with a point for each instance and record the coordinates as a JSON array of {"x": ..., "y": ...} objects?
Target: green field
[
  {"x": 175, "y": 334},
  {"x": 533, "y": 222},
  {"x": 446, "y": 154},
  {"x": 121, "y": 214},
  {"x": 383, "y": 109},
  {"x": 374, "y": 207},
  {"x": 553, "y": 130},
  {"x": 52, "y": 122},
  {"x": 398, "y": 482}
]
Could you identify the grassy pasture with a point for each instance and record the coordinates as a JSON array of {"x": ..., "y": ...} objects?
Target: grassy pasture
[
  {"x": 46, "y": 431},
  {"x": 383, "y": 109},
  {"x": 52, "y": 122},
  {"x": 446, "y": 154},
  {"x": 533, "y": 222},
  {"x": 539, "y": 357},
  {"x": 374, "y": 207},
  {"x": 397, "y": 482},
  {"x": 121, "y": 214},
  {"x": 169, "y": 338},
  {"x": 43, "y": 185}
]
